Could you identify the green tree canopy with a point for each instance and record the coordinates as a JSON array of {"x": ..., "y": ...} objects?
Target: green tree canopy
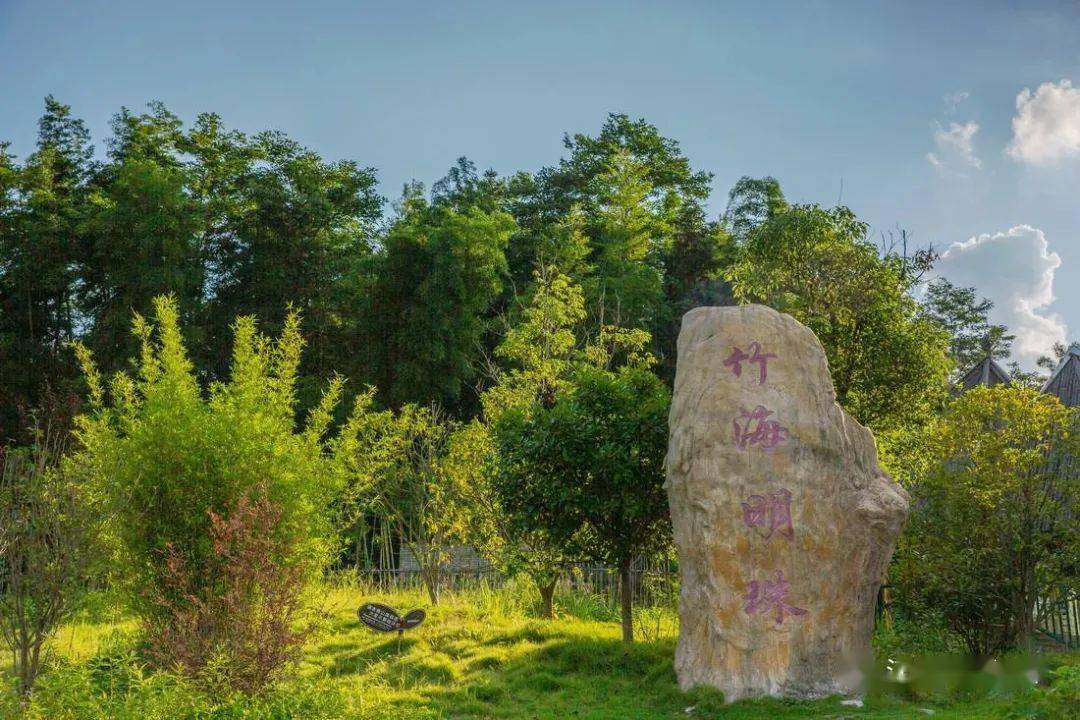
[
  {"x": 583, "y": 465},
  {"x": 438, "y": 274},
  {"x": 751, "y": 202},
  {"x": 163, "y": 455},
  {"x": 967, "y": 320},
  {"x": 42, "y": 205},
  {"x": 888, "y": 362},
  {"x": 631, "y": 201},
  {"x": 992, "y": 528}
]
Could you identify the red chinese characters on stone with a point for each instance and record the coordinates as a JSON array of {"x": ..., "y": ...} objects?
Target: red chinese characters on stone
[
  {"x": 753, "y": 427},
  {"x": 737, "y": 357},
  {"x": 769, "y": 514},
  {"x": 768, "y": 596}
]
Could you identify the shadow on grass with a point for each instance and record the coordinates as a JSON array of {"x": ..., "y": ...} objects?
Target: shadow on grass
[
  {"x": 539, "y": 672},
  {"x": 350, "y": 658},
  {"x": 530, "y": 673}
]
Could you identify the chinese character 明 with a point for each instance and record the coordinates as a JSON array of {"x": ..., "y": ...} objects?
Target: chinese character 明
[
  {"x": 767, "y": 596},
  {"x": 771, "y": 513},
  {"x": 737, "y": 356},
  {"x": 758, "y": 429}
]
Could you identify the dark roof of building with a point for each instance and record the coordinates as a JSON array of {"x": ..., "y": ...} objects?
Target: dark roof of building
[
  {"x": 986, "y": 372},
  {"x": 1064, "y": 383}
]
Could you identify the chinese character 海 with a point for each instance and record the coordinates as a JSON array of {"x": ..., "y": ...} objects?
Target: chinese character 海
[
  {"x": 737, "y": 356},
  {"x": 771, "y": 513},
  {"x": 766, "y": 596},
  {"x": 757, "y": 429}
]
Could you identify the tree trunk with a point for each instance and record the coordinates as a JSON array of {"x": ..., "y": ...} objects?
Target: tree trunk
[
  {"x": 626, "y": 590},
  {"x": 24, "y": 670},
  {"x": 430, "y": 576},
  {"x": 1025, "y": 622},
  {"x": 547, "y": 593}
]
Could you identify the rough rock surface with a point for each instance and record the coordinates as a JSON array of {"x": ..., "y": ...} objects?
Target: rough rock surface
[{"x": 783, "y": 520}]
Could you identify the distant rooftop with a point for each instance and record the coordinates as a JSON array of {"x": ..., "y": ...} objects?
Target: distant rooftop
[
  {"x": 1064, "y": 382},
  {"x": 987, "y": 372}
]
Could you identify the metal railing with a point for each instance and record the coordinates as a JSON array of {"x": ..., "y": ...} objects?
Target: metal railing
[
  {"x": 655, "y": 581},
  {"x": 1061, "y": 621}
]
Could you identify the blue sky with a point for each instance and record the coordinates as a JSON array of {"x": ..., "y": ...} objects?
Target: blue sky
[{"x": 959, "y": 123}]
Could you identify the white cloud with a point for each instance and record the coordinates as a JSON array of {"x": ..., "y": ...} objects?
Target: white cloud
[
  {"x": 1015, "y": 269},
  {"x": 957, "y": 142},
  {"x": 1047, "y": 123}
]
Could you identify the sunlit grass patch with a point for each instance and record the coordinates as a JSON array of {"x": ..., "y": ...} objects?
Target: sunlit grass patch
[{"x": 468, "y": 660}]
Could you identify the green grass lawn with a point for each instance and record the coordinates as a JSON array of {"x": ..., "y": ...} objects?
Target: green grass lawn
[{"x": 478, "y": 655}]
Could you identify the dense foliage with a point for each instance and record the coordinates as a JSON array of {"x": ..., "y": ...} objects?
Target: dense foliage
[
  {"x": 992, "y": 530},
  {"x": 415, "y": 301},
  {"x": 170, "y": 461},
  {"x": 440, "y": 272},
  {"x": 400, "y": 478},
  {"x": 587, "y": 469},
  {"x": 888, "y": 362},
  {"x": 508, "y": 343}
]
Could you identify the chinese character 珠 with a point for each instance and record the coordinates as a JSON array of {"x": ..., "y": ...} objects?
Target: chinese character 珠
[
  {"x": 737, "y": 356},
  {"x": 771, "y": 513},
  {"x": 766, "y": 596}
]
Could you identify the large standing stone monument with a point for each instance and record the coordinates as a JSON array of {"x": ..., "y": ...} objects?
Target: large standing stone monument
[{"x": 783, "y": 520}]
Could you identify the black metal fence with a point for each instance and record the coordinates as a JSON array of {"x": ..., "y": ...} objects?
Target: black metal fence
[
  {"x": 1061, "y": 621},
  {"x": 655, "y": 581}
]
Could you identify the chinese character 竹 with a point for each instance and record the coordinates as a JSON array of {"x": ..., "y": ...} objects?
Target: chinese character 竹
[{"x": 737, "y": 356}]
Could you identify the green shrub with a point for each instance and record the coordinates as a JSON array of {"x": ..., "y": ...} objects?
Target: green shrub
[
  {"x": 115, "y": 686},
  {"x": 915, "y": 633},
  {"x": 167, "y": 459},
  {"x": 990, "y": 532},
  {"x": 47, "y": 546},
  {"x": 1059, "y": 702}
]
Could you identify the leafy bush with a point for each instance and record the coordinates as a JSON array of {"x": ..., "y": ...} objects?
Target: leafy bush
[
  {"x": 915, "y": 632},
  {"x": 46, "y": 544},
  {"x": 171, "y": 462},
  {"x": 398, "y": 470},
  {"x": 991, "y": 532},
  {"x": 589, "y": 468},
  {"x": 241, "y": 634}
]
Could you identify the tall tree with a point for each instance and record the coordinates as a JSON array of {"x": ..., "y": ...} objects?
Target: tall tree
[
  {"x": 751, "y": 202},
  {"x": 628, "y": 237},
  {"x": 625, "y": 190},
  {"x": 42, "y": 204},
  {"x": 541, "y": 350},
  {"x": 439, "y": 271},
  {"x": 588, "y": 469},
  {"x": 967, "y": 320},
  {"x": 577, "y": 434},
  {"x": 143, "y": 234},
  {"x": 299, "y": 234},
  {"x": 888, "y": 362}
]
